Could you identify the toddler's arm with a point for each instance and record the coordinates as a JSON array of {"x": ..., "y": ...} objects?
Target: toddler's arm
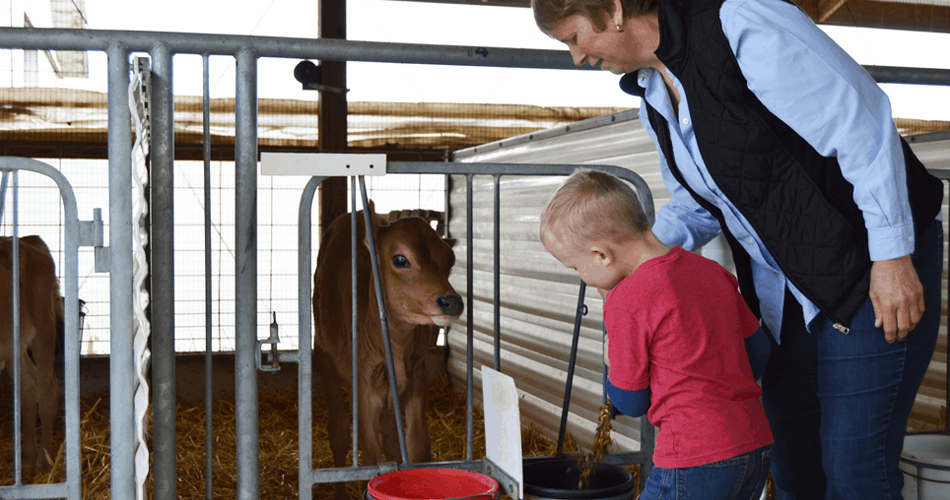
[{"x": 632, "y": 403}]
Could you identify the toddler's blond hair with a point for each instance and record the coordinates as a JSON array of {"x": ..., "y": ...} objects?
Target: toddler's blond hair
[{"x": 592, "y": 206}]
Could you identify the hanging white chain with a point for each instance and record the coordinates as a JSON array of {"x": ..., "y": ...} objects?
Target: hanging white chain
[{"x": 139, "y": 89}]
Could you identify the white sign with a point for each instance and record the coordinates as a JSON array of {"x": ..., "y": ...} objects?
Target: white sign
[
  {"x": 322, "y": 164},
  {"x": 502, "y": 424}
]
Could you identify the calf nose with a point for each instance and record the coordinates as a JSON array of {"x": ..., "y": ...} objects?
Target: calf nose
[{"x": 451, "y": 305}]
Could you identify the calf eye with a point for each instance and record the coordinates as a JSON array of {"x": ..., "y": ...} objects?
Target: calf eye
[{"x": 401, "y": 262}]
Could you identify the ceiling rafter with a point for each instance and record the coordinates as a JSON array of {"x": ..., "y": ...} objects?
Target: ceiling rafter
[{"x": 902, "y": 14}]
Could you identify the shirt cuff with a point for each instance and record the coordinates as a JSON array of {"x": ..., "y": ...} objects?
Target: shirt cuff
[{"x": 891, "y": 242}]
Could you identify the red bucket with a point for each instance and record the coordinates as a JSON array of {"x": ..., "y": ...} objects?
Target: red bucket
[{"x": 432, "y": 484}]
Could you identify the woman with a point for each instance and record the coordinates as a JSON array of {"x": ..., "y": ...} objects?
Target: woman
[{"x": 771, "y": 134}]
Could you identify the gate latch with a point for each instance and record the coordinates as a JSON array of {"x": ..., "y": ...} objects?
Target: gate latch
[{"x": 273, "y": 363}]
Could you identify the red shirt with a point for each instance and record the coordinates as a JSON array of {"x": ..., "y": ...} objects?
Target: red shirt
[{"x": 678, "y": 325}]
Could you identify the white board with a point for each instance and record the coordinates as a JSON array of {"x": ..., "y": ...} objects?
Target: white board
[{"x": 502, "y": 424}]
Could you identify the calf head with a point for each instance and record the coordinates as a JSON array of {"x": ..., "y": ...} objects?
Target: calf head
[{"x": 414, "y": 265}]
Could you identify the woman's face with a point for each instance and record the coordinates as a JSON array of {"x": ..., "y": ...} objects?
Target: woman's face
[{"x": 617, "y": 52}]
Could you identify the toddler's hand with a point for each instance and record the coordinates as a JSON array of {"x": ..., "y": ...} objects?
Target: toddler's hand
[{"x": 606, "y": 357}]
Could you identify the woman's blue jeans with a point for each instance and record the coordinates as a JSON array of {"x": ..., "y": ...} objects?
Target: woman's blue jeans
[
  {"x": 838, "y": 404},
  {"x": 737, "y": 478}
]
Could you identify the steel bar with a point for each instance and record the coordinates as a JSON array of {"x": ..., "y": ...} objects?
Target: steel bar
[
  {"x": 17, "y": 361},
  {"x": 354, "y": 327},
  {"x": 579, "y": 314},
  {"x": 497, "y": 276},
  {"x": 162, "y": 267},
  {"x": 350, "y": 50},
  {"x": 305, "y": 470},
  {"x": 121, "y": 358},
  {"x": 917, "y": 76},
  {"x": 209, "y": 395},
  {"x": 245, "y": 301},
  {"x": 470, "y": 328},
  {"x": 383, "y": 322},
  {"x": 324, "y": 49},
  {"x": 409, "y": 167}
]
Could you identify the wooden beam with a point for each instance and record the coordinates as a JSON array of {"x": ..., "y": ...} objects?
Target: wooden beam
[
  {"x": 331, "y": 112},
  {"x": 889, "y": 15},
  {"x": 827, "y": 8}
]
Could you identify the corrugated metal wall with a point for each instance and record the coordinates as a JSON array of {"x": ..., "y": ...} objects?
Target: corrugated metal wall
[{"x": 539, "y": 296}]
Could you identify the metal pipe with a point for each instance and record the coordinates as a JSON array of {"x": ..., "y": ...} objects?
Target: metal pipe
[
  {"x": 355, "y": 324},
  {"x": 17, "y": 365},
  {"x": 384, "y": 323},
  {"x": 565, "y": 409},
  {"x": 305, "y": 478},
  {"x": 917, "y": 76},
  {"x": 643, "y": 190},
  {"x": 350, "y": 50},
  {"x": 209, "y": 446},
  {"x": 245, "y": 300},
  {"x": 324, "y": 49},
  {"x": 469, "y": 325},
  {"x": 497, "y": 255},
  {"x": 162, "y": 243},
  {"x": 121, "y": 358}
]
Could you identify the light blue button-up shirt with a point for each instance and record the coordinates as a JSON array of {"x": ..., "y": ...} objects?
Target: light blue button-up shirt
[{"x": 818, "y": 90}]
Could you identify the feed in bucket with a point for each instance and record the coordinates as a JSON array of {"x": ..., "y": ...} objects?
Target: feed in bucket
[
  {"x": 432, "y": 484},
  {"x": 602, "y": 443}
]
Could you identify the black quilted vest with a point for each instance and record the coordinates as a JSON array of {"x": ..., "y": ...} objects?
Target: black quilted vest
[{"x": 796, "y": 200}]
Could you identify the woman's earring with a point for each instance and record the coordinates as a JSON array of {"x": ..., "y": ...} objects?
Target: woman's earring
[{"x": 619, "y": 29}]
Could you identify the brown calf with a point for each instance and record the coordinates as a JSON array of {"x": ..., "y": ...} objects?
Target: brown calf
[
  {"x": 41, "y": 314},
  {"x": 414, "y": 265}
]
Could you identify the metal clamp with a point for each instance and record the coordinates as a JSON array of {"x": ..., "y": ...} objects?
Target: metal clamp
[{"x": 273, "y": 364}]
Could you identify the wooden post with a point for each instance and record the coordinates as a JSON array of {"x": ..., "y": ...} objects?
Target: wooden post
[{"x": 332, "y": 113}]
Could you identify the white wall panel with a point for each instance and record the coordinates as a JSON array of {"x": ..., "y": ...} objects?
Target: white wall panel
[{"x": 539, "y": 296}]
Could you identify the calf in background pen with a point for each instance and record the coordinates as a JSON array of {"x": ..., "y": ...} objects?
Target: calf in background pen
[
  {"x": 414, "y": 265},
  {"x": 41, "y": 316}
]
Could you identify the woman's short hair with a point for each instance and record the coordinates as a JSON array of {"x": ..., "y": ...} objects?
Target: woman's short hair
[
  {"x": 550, "y": 13},
  {"x": 592, "y": 206}
]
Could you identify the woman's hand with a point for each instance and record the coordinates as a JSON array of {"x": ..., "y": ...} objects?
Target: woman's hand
[{"x": 897, "y": 295}]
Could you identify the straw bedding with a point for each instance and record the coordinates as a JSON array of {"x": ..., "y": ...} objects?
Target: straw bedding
[
  {"x": 278, "y": 443},
  {"x": 277, "y": 410}
]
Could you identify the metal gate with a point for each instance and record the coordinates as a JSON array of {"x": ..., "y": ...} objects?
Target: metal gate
[
  {"x": 308, "y": 476},
  {"x": 127, "y": 470},
  {"x": 77, "y": 233}
]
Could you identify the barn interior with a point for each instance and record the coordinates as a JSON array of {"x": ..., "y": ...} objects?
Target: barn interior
[{"x": 68, "y": 128}]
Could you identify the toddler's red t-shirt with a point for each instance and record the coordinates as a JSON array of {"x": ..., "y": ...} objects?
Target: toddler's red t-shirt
[{"x": 678, "y": 326}]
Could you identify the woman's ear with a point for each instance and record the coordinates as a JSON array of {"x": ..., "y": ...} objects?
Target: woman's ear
[{"x": 618, "y": 15}]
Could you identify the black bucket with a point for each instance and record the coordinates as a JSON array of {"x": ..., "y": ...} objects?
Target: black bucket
[{"x": 558, "y": 478}]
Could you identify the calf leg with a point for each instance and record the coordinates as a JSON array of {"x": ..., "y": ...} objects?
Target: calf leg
[
  {"x": 390, "y": 436},
  {"x": 338, "y": 423},
  {"x": 417, "y": 431},
  {"x": 371, "y": 409},
  {"x": 47, "y": 386},
  {"x": 28, "y": 401}
]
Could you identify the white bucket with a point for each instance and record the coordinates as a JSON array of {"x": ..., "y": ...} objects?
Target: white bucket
[{"x": 926, "y": 466}]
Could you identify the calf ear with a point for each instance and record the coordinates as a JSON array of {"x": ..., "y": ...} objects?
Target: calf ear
[{"x": 451, "y": 241}]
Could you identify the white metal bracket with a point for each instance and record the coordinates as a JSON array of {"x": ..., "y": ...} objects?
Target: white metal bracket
[{"x": 322, "y": 164}]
